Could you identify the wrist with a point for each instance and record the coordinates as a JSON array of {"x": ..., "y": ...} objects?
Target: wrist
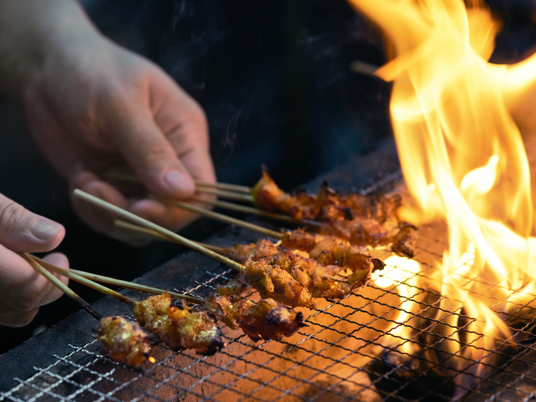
[{"x": 33, "y": 32}]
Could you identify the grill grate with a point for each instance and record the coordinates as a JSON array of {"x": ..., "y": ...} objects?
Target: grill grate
[{"x": 352, "y": 349}]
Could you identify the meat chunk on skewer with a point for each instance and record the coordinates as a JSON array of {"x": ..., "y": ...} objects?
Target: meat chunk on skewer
[
  {"x": 124, "y": 341},
  {"x": 274, "y": 282},
  {"x": 303, "y": 282},
  {"x": 297, "y": 245},
  {"x": 179, "y": 328},
  {"x": 266, "y": 319},
  {"x": 292, "y": 277}
]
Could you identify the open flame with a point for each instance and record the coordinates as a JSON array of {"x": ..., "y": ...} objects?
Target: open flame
[{"x": 463, "y": 161}]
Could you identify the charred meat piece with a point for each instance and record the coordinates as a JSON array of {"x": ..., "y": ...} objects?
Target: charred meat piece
[
  {"x": 179, "y": 328},
  {"x": 268, "y": 196},
  {"x": 124, "y": 341},
  {"x": 268, "y": 319}
]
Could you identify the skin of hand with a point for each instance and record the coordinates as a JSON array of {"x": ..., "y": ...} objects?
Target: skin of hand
[
  {"x": 22, "y": 290},
  {"x": 93, "y": 106}
]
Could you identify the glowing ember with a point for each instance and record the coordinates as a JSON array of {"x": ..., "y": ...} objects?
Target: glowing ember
[{"x": 464, "y": 162}]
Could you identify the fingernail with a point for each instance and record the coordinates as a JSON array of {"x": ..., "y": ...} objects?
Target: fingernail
[
  {"x": 178, "y": 181},
  {"x": 45, "y": 229},
  {"x": 57, "y": 259}
]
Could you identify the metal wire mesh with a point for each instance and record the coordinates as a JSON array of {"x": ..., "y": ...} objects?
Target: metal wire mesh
[{"x": 377, "y": 344}]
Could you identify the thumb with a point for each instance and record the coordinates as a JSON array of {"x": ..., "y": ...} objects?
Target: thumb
[
  {"x": 151, "y": 155},
  {"x": 22, "y": 230}
]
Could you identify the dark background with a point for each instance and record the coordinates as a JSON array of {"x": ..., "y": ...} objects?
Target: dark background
[{"x": 275, "y": 81}]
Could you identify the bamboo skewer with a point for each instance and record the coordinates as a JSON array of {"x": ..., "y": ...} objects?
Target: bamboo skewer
[
  {"x": 124, "y": 284},
  {"x": 149, "y": 232},
  {"x": 254, "y": 211},
  {"x": 221, "y": 217},
  {"x": 138, "y": 286},
  {"x": 221, "y": 186},
  {"x": 224, "y": 186},
  {"x": 228, "y": 194},
  {"x": 364, "y": 68},
  {"x": 163, "y": 231},
  {"x": 224, "y": 190},
  {"x": 86, "y": 282},
  {"x": 244, "y": 208},
  {"x": 60, "y": 285}
]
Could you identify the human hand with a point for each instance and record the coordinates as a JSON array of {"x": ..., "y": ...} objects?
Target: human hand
[
  {"x": 22, "y": 290},
  {"x": 93, "y": 106}
]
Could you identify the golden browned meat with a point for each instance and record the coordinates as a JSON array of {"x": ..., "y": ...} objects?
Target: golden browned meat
[
  {"x": 272, "y": 281},
  {"x": 297, "y": 245},
  {"x": 232, "y": 289},
  {"x": 309, "y": 268},
  {"x": 222, "y": 307},
  {"x": 362, "y": 220},
  {"x": 246, "y": 252},
  {"x": 179, "y": 328},
  {"x": 328, "y": 250},
  {"x": 122, "y": 340},
  {"x": 306, "y": 279},
  {"x": 267, "y": 319}
]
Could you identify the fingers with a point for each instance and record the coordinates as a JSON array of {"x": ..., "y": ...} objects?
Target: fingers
[
  {"x": 149, "y": 153},
  {"x": 22, "y": 290},
  {"x": 97, "y": 218},
  {"x": 160, "y": 132},
  {"x": 184, "y": 124},
  {"x": 22, "y": 230}
]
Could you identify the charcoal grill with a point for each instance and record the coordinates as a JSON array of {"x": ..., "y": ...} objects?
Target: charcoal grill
[{"x": 341, "y": 355}]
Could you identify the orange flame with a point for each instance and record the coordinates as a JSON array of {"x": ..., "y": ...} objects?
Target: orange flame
[{"x": 463, "y": 160}]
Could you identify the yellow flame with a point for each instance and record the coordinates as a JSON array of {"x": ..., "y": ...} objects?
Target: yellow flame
[
  {"x": 463, "y": 158},
  {"x": 401, "y": 274}
]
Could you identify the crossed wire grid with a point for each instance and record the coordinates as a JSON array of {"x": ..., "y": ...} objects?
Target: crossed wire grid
[{"x": 352, "y": 349}]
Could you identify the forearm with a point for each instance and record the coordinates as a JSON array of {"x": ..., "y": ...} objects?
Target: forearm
[{"x": 31, "y": 31}]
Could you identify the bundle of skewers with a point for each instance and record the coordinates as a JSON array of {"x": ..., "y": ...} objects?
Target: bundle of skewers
[
  {"x": 289, "y": 270},
  {"x": 362, "y": 220}
]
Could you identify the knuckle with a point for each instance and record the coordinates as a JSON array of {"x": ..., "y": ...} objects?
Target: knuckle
[
  {"x": 11, "y": 215},
  {"x": 156, "y": 153}
]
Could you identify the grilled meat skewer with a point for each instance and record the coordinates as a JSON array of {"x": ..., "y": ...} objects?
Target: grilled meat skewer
[{"x": 359, "y": 219}]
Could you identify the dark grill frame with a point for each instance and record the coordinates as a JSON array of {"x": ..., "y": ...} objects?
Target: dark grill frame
[{"x": 268, "y": 371}]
